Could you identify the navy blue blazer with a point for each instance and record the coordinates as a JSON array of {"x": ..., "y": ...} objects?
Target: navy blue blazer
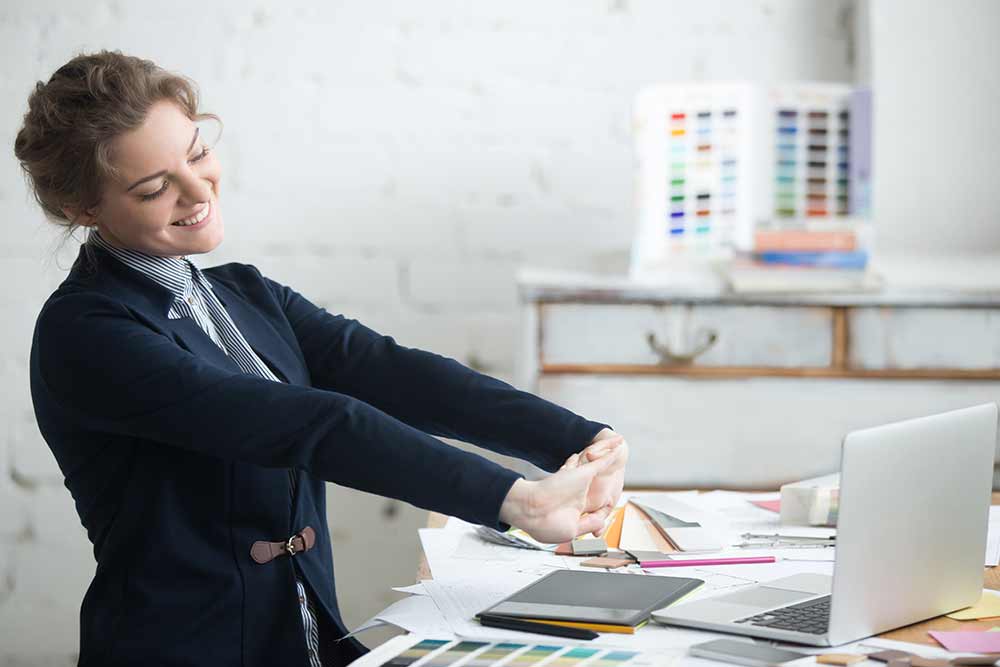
[{"x": 177, "y": 460}]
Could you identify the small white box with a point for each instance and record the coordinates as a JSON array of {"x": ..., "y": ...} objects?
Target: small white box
[{"x": 811, "y": 502}]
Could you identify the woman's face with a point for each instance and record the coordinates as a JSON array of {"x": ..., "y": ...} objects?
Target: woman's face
[{"x": 167, "y": 180}]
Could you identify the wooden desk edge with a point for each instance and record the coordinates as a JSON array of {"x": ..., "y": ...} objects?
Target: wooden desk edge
[{"x": 916, "y": 633}]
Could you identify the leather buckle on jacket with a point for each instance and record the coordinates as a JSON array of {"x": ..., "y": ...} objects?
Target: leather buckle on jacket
[{"x": 264, "y": 552}]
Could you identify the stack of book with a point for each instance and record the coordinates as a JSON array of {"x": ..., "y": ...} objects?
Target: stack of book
[{"x": 804, "y": 260}]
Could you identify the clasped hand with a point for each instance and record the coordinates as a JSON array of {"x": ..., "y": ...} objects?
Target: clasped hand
[{"x": 575, "y": 500}]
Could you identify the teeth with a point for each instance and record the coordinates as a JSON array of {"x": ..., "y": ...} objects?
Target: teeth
[{"x": 195, "y": 219}]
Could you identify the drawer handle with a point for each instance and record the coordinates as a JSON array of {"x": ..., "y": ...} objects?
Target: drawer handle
[{"x": 707, "y": 338}]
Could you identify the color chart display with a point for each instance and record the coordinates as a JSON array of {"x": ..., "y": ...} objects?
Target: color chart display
[
  {"x": 691, "y": 141},
  {"x": 811, "y": 139},
  {"x": 716, "y": 162},
  {"x": 441, "y": 653},
  {"x": 702, "y": 175}
]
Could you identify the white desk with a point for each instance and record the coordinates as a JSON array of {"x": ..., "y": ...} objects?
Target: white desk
[{"x": 916, "y": 633}]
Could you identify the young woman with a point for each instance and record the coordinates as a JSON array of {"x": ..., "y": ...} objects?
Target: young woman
[{"x": 197, "y": 414}]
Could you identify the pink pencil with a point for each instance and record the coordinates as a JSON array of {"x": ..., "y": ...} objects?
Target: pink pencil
[{"x": 707, "y": 561}]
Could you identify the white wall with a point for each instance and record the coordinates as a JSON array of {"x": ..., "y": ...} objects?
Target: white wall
[
  {"x": 936, "y": 77},
  {"x": 395, "y": 161}
]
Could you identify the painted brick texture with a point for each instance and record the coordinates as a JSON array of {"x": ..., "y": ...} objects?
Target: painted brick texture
[{"x": 393, "y": 161}]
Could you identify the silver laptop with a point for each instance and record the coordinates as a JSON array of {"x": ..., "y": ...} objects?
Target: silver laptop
[{"x": 911, "y": 539}]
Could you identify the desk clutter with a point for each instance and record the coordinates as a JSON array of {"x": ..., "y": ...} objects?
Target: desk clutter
[
  {"x": 417, "y": 651},
  {"x": 685, "y": 546}
]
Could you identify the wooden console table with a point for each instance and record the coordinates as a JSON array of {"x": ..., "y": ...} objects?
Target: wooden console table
[{"x": 715, "y": 389}]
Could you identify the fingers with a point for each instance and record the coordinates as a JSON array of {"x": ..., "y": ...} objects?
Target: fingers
[
  {"x": 571, "y": 462},
  {"x": 603, "y": 434},
  {"x": 597, "y": 465},
  {"x": 606, "y": 511},
  {"x": 602, "y": 447},
  {"x": 593, "y": 522}
]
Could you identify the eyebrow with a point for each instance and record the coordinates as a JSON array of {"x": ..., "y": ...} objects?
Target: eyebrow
[{"x": 164, "y": 171}]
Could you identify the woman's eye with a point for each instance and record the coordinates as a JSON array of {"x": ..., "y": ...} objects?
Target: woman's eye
[
  {"x": 199, "y": 156},
  {"x": 154, "y": 195}
]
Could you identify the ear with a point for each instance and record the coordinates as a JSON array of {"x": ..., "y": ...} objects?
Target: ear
[{"x": 84, "y": 218}]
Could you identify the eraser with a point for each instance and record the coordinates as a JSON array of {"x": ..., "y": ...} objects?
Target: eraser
[
  {"x": 917, "y": 661},
  {"x": 890, "y": 654},
  {"x": 839, "y": 658},
  {"x": 644, "y": 556},
  {"x": 590, "y": 547},
  {"x": 607, "y": 562}
]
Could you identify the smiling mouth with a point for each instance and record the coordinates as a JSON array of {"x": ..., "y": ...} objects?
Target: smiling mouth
[{"x": 196, "y": 218}]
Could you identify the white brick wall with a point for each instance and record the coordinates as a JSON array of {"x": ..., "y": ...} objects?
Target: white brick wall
[{"x": 394, "y": 161}]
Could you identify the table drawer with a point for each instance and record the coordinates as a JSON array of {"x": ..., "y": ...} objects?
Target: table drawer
[
  {"x": 716, "y": 335},
  {"x": 883, "y": 338}
]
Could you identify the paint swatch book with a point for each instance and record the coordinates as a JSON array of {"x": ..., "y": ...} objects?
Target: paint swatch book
[
  {"x": 413, "y": 650},
  {"x": 725, "y": 169}
]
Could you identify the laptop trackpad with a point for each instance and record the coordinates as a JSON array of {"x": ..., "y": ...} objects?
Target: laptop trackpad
[
  {"x": 764, "y": 597},
  {"x": 818, "y": 584}
]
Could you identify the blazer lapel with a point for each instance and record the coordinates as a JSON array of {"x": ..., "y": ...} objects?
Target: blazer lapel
[
  {"x": 151, "y": 300},
  {"x": 262, "y": 336},
  {"x": 154, "y": 301},
  {"x": 191, "y": 337}
]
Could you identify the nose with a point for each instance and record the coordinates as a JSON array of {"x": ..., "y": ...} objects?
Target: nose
[{"x": 194, "y": 188}]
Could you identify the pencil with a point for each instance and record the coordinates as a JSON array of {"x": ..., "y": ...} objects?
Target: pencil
[
  {"x": 540, "y": 628},
  {"x": 699, "y": 562}
]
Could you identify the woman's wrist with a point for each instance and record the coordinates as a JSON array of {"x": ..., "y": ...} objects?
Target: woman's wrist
[{"x": 515, "y": 508}]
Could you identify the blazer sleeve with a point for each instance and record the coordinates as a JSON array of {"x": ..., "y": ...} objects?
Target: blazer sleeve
[
  {"x": 96, "y": 368},
  {"x": 430, "y": 392}
]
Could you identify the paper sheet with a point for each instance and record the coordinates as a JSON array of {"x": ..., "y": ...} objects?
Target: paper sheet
[
  {"x": 769, "y": 505},
  {"x": 446, "y": 556},
  {"x": 415, "y": 589},
  {"x": 417, "y": 613},
  {"x": 987, "y": 607},
  {"x": 472, "y": 546},
  {"x": 971, "y": 641}
]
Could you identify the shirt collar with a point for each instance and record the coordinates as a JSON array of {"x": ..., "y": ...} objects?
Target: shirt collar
[{"x": 173, "y": 273}]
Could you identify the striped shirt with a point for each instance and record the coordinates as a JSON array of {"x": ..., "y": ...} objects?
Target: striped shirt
[{"x": 195, "y": 298}]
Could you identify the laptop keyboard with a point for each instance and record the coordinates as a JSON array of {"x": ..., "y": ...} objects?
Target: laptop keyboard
[{"x": 811, "y": 617}]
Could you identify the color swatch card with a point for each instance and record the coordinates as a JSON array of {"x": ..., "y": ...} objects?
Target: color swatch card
[
  {"x": 413, "y": 651},
  {"x": 810, "y": 141},
  {"x": 717, "y": 163},
  {"x": 691, "y": 143}
]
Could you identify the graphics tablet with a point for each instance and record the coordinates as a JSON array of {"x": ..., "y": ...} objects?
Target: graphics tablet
[{"x": 594, "y": 597}]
